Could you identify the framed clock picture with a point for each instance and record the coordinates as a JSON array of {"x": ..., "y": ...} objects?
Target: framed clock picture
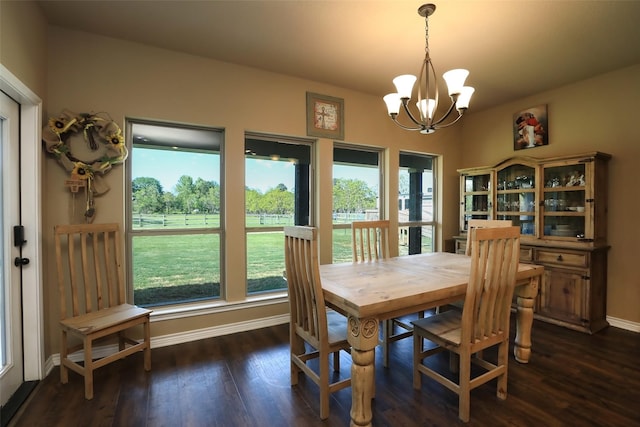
[{"x": 325, "y": 116}]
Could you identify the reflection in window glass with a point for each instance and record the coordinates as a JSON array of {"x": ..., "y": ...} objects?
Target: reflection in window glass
[
  {"x": 416, "y": 201},
  {"x": 356, "y": 194},
  {"x": 277, "y": 194}
]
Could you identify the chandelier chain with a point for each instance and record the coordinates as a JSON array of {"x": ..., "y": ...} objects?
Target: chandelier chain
[{"x": 426, "y": 35}]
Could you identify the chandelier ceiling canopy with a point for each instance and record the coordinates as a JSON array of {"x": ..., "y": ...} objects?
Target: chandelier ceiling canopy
[{"x": 424, "y": 120}]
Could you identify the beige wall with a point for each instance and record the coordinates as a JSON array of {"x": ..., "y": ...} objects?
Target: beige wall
[
  {"x": 23, "y": 46},
  {"x": 598, "y": 114},
  {"x": 132, "y": 80}
]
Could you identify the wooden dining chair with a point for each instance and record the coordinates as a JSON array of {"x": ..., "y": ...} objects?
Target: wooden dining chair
[
  {"x": 483, "y": 322},
  {"x": 483, "y": 223},
  {"x": 93, "y": 300},
  {"x": 323, "y": 329},
  {"x": 472, "y": 224},
  {"x": 370, "y": 242}
]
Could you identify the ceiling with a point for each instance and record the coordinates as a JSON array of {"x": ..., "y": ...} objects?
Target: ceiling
[{"x": 511, "y": 48}]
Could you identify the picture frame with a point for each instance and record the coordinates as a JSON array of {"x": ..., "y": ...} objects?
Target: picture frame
[
  {"x": 325, "y": 116},
  {"x": 530, "y": 128}
]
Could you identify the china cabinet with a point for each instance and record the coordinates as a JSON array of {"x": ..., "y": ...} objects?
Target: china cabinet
[{"x": 560, "y": 205}]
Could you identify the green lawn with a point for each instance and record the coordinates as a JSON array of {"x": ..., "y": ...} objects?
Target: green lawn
[{"x": 170, "y": 269}]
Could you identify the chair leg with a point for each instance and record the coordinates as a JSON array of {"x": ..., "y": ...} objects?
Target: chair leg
[
  {"x": 121, "y": 340},
  {"x": 147, "y": 349},
  {"x": 454, "y": 362},
  {"x": 336, "y": 361},
  {"x": 503, "y": 360},
  {"x": 464, "y": 393},
  {"x": 296, "y": 347},
  {"x": 64, "y": 371},
  {"x": 417, "y": 349},
  {"x": 387, "y": 331},
  {"x": 324, "y": 386},
  {"x": 88, "y": 369}
]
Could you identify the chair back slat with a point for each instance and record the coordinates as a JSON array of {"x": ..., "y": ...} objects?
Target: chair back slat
[
  {"x": 483, "y": 223},
  {"x": 494, "y": 262},
  {"x": 306, "y": 300},
  {"x": 370, "y": 240},
  {"x": 89, "y": 263}
]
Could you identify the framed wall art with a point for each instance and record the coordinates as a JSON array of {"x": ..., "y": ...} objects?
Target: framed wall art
[
  {"x": 325, "y": 116},
  {"x": 530, "y": 128}
]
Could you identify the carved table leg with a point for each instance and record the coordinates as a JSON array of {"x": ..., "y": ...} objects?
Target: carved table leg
[
  {"x": 363, "y": 337},
  {"x": 524, "y": 319}
]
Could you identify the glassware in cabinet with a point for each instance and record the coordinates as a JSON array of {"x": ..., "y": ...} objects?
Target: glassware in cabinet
[
  {"x": 516, "y": 196},
  {"x": 565, "y": 206},
  {"x": 476, "y": 197}
]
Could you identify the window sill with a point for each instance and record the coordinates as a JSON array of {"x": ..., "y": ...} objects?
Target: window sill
[{"x": 217, "y": 306}]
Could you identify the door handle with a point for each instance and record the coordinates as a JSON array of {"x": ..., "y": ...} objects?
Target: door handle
[{"x": 19, "y": 262}]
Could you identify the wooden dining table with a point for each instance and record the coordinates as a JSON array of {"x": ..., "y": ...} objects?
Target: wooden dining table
[{"x": 367, "y": 293}]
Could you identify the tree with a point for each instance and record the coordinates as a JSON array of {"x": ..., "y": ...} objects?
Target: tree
[
  {"x": 352, "y": 195},
  {"x": 252, "y": 199},
  {"x": 185, "y": 196},
  {"x": 277, "y": 201},
  {"x": 147, "y": 195},
  {"x": 403, "y": 184},
  {"x": 207, "y": 196}
]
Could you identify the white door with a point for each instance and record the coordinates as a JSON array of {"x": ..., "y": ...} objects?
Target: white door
[{"x": 11, "y": 353}]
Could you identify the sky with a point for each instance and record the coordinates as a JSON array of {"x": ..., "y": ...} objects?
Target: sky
[{"x": 168, "y": 166}]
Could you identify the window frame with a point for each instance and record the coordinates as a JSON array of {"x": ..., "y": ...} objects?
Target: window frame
[
  {"x": 131, "y": 233},
  {"x": 433, "y": 223},
  {"x": 380, "y": 152},
  {"x": 279, "y": 139}
]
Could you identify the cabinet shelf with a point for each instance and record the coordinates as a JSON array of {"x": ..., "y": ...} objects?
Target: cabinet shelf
[{"x": 572, "y": 188}]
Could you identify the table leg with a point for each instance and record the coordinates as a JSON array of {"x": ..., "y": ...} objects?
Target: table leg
[
  {"x": 524, "y": 320},
  {"x": 363, "y": 337}
]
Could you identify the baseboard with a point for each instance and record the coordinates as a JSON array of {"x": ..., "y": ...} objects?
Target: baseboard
[
  {"x": 624, "y": 324},
  {"x": 179, "y": 338}
]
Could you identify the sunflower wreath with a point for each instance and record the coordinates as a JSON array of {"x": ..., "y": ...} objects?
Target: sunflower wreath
[{"x": 86, "y": 145}]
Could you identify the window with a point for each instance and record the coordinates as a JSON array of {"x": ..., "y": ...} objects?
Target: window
[
  {"x": 174, "y": 213},
  {"x": 416, "y": 204},
  {"x": 277, "y": 193},
  {"x": 357, "y": 179}
]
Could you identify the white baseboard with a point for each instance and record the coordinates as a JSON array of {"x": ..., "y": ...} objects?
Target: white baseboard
[
  {"x": 624, "y": 324},
  {"x": 179, "y": 338}
]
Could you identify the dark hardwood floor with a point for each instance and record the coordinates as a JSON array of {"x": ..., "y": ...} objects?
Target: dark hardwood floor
[{"x": 573, "y": 379}]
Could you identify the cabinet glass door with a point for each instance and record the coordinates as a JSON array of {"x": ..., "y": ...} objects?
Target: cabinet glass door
[
  {"x": 565, "y": 209},
  {"x": 516, "y": 197},
  {"x": 475, "y": 197}
]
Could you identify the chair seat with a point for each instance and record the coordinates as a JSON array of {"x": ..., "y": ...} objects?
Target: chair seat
[
  {"x": 92, "y": 323},
  {"x": 446, "y": 326}
]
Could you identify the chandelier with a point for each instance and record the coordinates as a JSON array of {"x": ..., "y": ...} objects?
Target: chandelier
[{"x": 427, "y": 105}]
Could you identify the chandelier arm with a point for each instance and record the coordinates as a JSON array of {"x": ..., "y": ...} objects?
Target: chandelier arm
[
  {"x": 405, "y": 104},
  {"x": 395, "y": 120},
  {"x": 451, "y": 123},
  {"x": 443, "y": 118}
]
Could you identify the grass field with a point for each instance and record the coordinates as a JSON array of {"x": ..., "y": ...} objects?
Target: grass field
[{"x": 178, "y": 268}]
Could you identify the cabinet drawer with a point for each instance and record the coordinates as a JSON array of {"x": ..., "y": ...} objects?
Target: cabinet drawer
[
  {"x": 526, "y": 254},
  {"x": 570, "y": 259}
]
